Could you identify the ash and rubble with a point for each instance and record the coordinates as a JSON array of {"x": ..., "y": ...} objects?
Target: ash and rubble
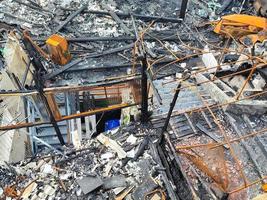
[
  {"x": 221, "y": 100},
  {"x": 92, "y": 172}
]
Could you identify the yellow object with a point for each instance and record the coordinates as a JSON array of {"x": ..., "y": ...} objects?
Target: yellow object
[
  {"x": 264, "y": 187},
  {"x": 242, "y": 26},
  {"x": 58, "y": 49}
]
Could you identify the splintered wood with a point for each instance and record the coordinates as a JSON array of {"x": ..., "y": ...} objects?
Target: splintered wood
[{"x": 113, "y": 145}]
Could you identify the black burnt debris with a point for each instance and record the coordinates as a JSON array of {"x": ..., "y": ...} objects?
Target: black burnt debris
[{"x": 134, "y": 100}]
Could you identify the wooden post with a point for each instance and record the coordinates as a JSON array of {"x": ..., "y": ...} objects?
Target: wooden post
[
  {"x": 183, "y": 9},
  {"x": 144, "y": 109}
]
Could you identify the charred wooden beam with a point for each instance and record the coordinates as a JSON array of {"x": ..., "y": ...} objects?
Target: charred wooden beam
[
  {"x": 68, "y": 88},
  {"x": 165, "y": 178},
  {"x": 172, "y": 105},
  {"x": 39, "y": 86},
  {"x": 154, "y": 88},
  {"x": 172, "y": 37},
  {"x": 64, "y": 68},
  {"x": 117, "y": 19},
  {"x": 144, "y": 108},
  {"x": 183, "y": 9},
  {"x": 79, "y": 60},
  {"x": 69, "y": 117},
  {"x": 137, "y": 16},
  {"x": 24, "y": 78},
  {"x": 185, "y": 189},
  {"x": 34, "y": 55},
  {"x": 70, "y": 17}
]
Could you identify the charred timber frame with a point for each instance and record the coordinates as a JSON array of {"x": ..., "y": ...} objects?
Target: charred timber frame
[
  {"x": 183, "y": 9},
  {"x": 68, "y": 117}
]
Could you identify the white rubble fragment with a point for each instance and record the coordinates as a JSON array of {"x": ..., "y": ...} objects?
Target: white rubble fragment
[
  {"x": 242, "y": 59},
  {"x": 156, "y": 197},
  {"x": 76, "y": 139},
  {"x": 26, "y": 25},
  {"x": 79, "y": 192},
  {"x": 150, "y": 45},
  {"x": 179, "y": 75},
  {"x": 168, "y": 78},
  {"x": 183, "y": 65},
  {"x": 65, "y": 176},
  {"x": 31, "y": 165},
  {"x": 34, "y": 197},
  {"x": 172, "y": 47},
  {"x": 48, "y": 190},
  {"x": 131, "y": 154},
  {"x": 258, "y": 82},
  {"x": 238, "y": 81},
  {"x": 107, "y": 156},
  {"x": 260, "y": 48},
  {"x": 108, "y": 168},
  {"x": 118, "y": 190},
  {"x": 113, "y": 131},
  {"x": 129, "y": 71},
  {"x": 209, "y": 60},
  {"x": 28, "y": 191},
  {"x": 226, "y": 67},
  {"x": 42, "y": 195},
  {"x": 131, "y": 139},
  {"x": 40, "y": 164},
  {"x": 47, "y": 169}
]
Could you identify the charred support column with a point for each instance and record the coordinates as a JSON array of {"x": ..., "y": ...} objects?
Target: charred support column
[
  {"x": 170, "y": 112},
  {"x": 39, "y": 86},
  {"x": 144, "y": 116},
  {"x": 34, "y": 55},
  {"x": 183, "y": 9},
  {"x": 39, "y": 71}
]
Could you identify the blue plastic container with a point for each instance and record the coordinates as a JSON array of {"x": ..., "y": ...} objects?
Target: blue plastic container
[{"x": 111, "y": 124}]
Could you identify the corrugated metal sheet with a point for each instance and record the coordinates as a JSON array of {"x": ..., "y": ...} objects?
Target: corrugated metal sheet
[
  {"x": 47, "y": 132},
  {"x": 188, "y": 98}
]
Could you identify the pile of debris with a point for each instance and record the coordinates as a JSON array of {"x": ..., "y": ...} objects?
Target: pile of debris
[{"x": 101, "y": 169}]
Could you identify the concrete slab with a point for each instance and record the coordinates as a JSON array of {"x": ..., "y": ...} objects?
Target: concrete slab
[
  {"x": 114, "y": 182},
  {"x": 89, "y": 184}
]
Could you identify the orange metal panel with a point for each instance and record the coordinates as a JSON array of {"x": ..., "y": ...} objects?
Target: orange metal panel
[
  {"x": 58, "y": 49},
  {"x": 259, "y": 22}
]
